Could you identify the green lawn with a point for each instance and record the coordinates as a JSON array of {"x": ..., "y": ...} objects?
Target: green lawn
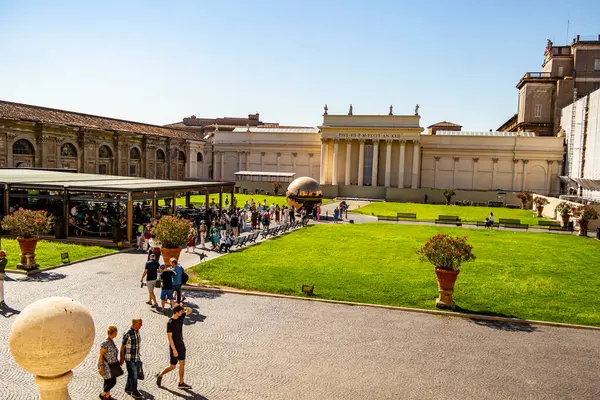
[
  {"x": 241, "y": 199},
  {"x": 541, "y": 276},
  {"x": 47, "y": 254},
  {"x": 431, "y": 212}
]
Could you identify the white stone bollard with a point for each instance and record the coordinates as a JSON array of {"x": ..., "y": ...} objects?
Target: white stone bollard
[{"x": 48, "y": 339}]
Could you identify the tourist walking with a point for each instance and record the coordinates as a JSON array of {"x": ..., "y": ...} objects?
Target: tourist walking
[
  {"x": 202, "y": 234},
  {"x": 130, "y": 355},
  {"x": 108, "y": 363},
  {"x": 166, "y": 275},
  {"x": 336, "y": 214},
  {"x": 235, "y": 224},
  {"x": 177, "y": 280},
  {"x": 151, "y": 275},
  {"x": 176, "y": 346},
  {"x": 3, "y": 262}
]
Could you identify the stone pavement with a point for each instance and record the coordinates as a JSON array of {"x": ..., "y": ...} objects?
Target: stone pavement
[{"x": 246, "y": 347}]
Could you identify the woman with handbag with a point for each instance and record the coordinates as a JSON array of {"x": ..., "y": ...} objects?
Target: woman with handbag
[{"x": 108, "y": 363}]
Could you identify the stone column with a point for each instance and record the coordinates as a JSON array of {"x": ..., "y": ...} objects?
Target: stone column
[
  {"x": 375, "y": 162},
  {"x": 361, "y": 162},
  {"x": 57, "y": 164},
  {"x": 388, "y": 163},
  {"x": 348, "y": 161},
  {"x": 10, "y": 137},
  {"x": 248, "y": 157},
  {"x": 416, "y": 164},
  {"x": 559, "y": 171},
  {"x": 294, "y": 162},
  {"x": 262, "y": 160},
  {"x": 278, "y": 162},
  {"x": 334, "y": 171},
  {"x": 549, "y": 177},
  {"x": 474, "y": 178},
  {"x": 401, "y": 162},
  {"x": 310, "y": 164},
  {"x": 435, "y": 168},
  {"x": 239, "y": 154},
  {"x": 456, "y": 160},
  {"x": 145, "y": 157},
  {"x": 514, "y": 176},
  {"x": 494, "y": 170},
  {"x": 222, "y": 168},
  {"x": 116, "y": 155},
  {"x": 524, "y": 176},
  {"x": 323, "y": 179},
  {"x": 83, "y": 157}
]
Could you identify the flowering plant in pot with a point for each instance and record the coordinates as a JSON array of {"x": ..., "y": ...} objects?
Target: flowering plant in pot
[
  {"x": 27, "y": 225},
  {"x": 446, "y": 254},
  {"x": 525, "y": 197},
  {"x": 540, "y": 202},
  {"x": 564, "y": 209},
  {"x": 449, "y": 194},
  {"x": 584, "y": 215},
  {"x": 172, "y": 233}
]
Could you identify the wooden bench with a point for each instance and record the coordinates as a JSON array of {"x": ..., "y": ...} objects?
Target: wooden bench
[
  {"x": 494, "y": 225},
  {"x": 406, "y": 216},
  {"x": 252, "y": 238},
  {"x": 448, "y": 219},
  {"x": 386, "y": 218},
  {"x": 305, "y": 222},
  {"x": 240, "y": 241},
  {"x": 549, "y": 223},
  {"x": 495, "y": 204},
  {"x": 557, "y": 228},
  {"x": 516, "y": 226},
  {"x": 509, "y": 221}
]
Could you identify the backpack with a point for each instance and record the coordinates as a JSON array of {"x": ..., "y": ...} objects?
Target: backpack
[{"x": 184, "y": 278}]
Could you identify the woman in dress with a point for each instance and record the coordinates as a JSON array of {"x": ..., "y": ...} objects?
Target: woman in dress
[
  {"x": 203, "y": 234},
  {"x": 108, "y": 355},
  {"x": 277, "y": 214}
]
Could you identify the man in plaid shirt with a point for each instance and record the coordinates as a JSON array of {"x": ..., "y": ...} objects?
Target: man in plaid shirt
[{"x": 130, "y": 354}]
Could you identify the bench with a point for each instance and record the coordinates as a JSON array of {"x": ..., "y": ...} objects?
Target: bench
[
  {"x": 517, "y": 226},
  {"x": 240, "y": 241},
  {"x": 386, "y": 218},
  {"x": 556, "y": 228},
  {"x": 549, "y": 223},
  {"x": 252, "y": 238},
  {"x": 494, "y": 225},
  {"x": 509, "y": 221},
  {"x": 513, "y": 206},
  {"x": 448, "y": 219},
  {"x": 406, "y": 216},
  {"x": 495, "y": 204},
  {"x": 305, "y": 222}
]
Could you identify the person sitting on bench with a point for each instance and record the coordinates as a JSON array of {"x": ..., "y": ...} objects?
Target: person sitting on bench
[{"x": 227, "y": 242}]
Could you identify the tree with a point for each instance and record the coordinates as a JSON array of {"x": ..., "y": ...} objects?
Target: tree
[
  {"x": 276, "y": 187},
  {"x": 449, "y": 194}
]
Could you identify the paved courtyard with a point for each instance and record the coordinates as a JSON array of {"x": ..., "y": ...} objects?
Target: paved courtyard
[{"x": 244, "y": 347}]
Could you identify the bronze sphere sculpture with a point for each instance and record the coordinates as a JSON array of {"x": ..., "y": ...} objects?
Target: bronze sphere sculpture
[{"x": 304, "y": 192}]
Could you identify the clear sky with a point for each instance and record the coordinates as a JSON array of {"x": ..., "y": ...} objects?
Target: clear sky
[{"x": 160, "y": 61}]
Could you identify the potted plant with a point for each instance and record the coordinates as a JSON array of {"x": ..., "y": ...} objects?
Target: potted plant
[
  {"x": 564, "y": 209},
  {"x": 172, "y": 233},
  {"x": 446, "y": 254},
  {"x": 540, "y": 202},
  {"x": 276, "y": 187},
  {"x": 27, "y": 225},
  {"x": 584, "y": 215},
  {"x": 449, "y": 194},
  {"x": 525, "y": 197}
]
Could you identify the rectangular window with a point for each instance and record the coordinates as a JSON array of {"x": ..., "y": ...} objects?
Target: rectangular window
[
  {"x": 133, "y": 170},
  {"x": 368, "y": 165},
  {"x": 102, "y": 169},
  {"x": 597, "y": 64},
  {"x": 538, "y": 111}
]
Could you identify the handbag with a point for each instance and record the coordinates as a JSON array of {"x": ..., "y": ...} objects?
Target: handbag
[
  {"x": 158, "y": 284},
  {"x": 115, "y": 369},
  {"x": 140, "y": 369}
]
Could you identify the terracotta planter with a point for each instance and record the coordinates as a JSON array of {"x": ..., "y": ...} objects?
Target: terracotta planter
[
  {"x": 27, "y": 253},
  {"x": 565, "y": 219},
  {"x": 170, "y": 253},
  {"x": 446, "y": 280},
  {"x": 539, "y": 210},
  {"x": 583, "y": 227}
]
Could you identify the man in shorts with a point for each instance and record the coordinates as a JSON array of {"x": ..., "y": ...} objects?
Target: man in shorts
[
  {"x": 176, "y": 345},
  {"x": 151, "y": 275},
  {"x": 166, "y": 293}
]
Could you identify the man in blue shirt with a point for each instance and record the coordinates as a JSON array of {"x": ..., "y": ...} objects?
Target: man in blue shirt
[{"x": 177, "y": 279}]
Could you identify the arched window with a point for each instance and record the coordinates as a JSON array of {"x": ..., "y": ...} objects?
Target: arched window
[
  {"x": 199, "y": 157},
  {"x": 134, "y": 154},
  {"x": 181, "y": 156},
  {"x": 160, "y": 155},
  {"x": 68, "y": 150},
  {"x": 23, "y": 146},
  {"x": 105, "y": 152}
]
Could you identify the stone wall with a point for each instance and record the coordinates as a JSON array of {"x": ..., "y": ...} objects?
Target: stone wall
[{"x": 550, "y": 211}]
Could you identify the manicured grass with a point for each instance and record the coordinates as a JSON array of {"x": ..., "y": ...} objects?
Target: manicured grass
[
  {"x": 431, "y": 212},
  {"x": 47, "y": 254},
  {"x": 241, "y": 199},
  {"x": 542, "y": 276}
]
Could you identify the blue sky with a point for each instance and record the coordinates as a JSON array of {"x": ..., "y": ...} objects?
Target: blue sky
[{"x": 159, "y": 61}]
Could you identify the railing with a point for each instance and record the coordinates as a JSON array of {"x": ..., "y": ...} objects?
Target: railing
[
  {"x": 586, "y": 38},
  {"x": 529, "y": 75}
]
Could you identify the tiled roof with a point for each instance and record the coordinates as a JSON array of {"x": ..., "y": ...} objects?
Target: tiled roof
[
  {"x": 445, "y": 124},
  {"x": 26, "y": 112}
]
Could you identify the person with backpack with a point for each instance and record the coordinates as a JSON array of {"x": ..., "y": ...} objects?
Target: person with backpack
[{"x": 178, "y": 280}]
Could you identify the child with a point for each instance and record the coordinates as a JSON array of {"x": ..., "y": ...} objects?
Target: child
[
  {"x": 3, "y": 262},
  {"x": 487, "y": 223}
]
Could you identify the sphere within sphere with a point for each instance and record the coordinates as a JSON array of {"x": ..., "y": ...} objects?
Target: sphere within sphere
[
  {"x": 52, "y": 336},
  {"x": 304, "y": 192}
]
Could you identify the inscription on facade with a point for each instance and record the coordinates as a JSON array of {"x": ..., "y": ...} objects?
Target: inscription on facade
[{"x": 367, "y": 136}]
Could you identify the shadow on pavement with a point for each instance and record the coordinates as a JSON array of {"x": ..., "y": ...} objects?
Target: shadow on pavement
[
  {"x": 499, "y": 325},
  {"x": 8, "y": 311},
  {"x": 199, "y": 294},
  {"x": 195, "y": 316},
  {"x": 44, "y": 277},
  {"x": 188, "y": 395}
]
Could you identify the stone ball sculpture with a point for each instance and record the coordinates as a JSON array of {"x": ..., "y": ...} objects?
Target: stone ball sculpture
[
  {"x": 304, "y": 192},
  {"x": 52, "y": 336}
]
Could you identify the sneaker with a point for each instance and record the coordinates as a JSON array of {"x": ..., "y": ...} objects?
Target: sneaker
[
  {"x": 129, "y": 392},
  {"x": 158, "y": 380},
  {"x": 149, "y": 303},
  {"x": 184, "y": 386},
  {"x": 137, "y": 395}
]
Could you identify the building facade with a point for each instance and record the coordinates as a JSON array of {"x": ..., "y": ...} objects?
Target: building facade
[{"x": 568, "y": 72}]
